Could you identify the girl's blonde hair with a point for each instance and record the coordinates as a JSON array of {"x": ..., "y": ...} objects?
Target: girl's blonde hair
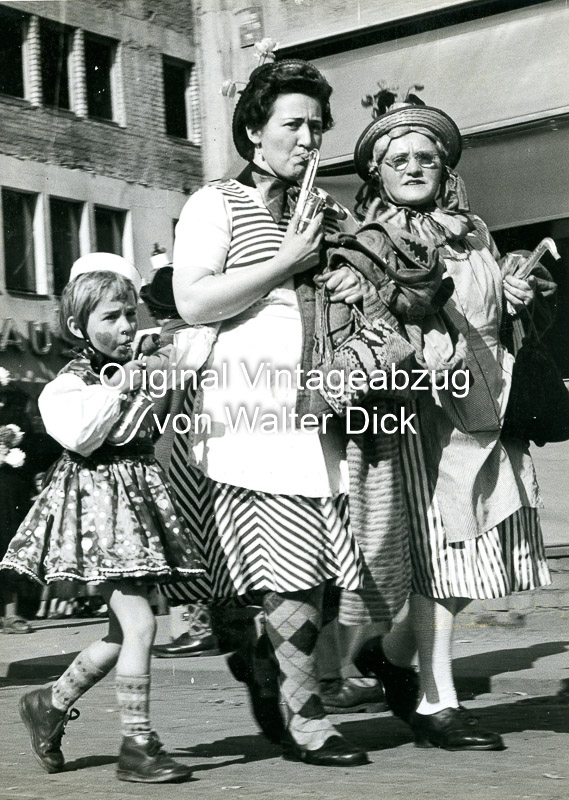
[{"x": 83, "y": 294}]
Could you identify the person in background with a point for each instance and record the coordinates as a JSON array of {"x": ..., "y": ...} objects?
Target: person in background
[
  {"x": 190, "y": 624},
  {"x": 18, "y": 464}
]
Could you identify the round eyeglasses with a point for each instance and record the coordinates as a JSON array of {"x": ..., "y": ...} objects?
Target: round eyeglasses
[{"x": 425, "y": 161}]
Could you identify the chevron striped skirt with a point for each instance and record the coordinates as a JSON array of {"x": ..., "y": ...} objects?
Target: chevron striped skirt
[
  {"x": 251, "y": 541},
  {"x": 508, "y": 558}
]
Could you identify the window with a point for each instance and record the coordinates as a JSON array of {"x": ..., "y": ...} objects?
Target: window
[
  {"x": 176, "y": 100},
  {"x": 55, "y": 43},
  {"x": 109, "y": 230},
  {"x": 12, "y": 31},
  {"x": 65, "y": 225},
  {"x": 18, "y": 209},
  {"x": 99, "y": 61}
]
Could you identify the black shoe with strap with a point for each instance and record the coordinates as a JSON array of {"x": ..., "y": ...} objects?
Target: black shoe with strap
[
  {"x": 142, "y": 759},
  {"x": 346, "y": 697},
  {"x": 453, "y": 729},
  {"x": 400, "y": 684},
  {"x": 335, "y": 752},
  {"x": 46, "y": 726}
]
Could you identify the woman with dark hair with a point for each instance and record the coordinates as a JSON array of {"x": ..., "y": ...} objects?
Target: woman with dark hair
[
  {"x": 471, "y": 491},
  {"x": 265, "y": 496}
]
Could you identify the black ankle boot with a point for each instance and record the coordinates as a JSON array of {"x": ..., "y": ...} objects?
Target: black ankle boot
[
  {"x": 264, "y": 697},
  {"x": 401, "y": 685},
  {"x": 143, "y": 760},
  {"x": 335, "y": 752},
  {"x": 46, "y": 726},
  {"x": 453, "y": 729}
]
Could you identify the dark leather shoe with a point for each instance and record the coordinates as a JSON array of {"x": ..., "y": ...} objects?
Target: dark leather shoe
[
  {"x": 142, "y": 760},
  {"x": 335, "y": 752},
  {"x": 265, "y": 698},
  {"x": 453, "y": 729},
  {"x": 349, "y": 698},
  {"x": 46, "y": 726},
  {"x": 185, "y": 646},
  {"x": 401, "y": 685}
]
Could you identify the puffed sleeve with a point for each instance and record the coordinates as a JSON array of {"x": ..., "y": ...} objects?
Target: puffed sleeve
[
  {"x": 78, "y": 416},
  {"x": 203, "y": 233}
]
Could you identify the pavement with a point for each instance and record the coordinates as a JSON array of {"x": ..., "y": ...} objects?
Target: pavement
[{"x": 516, "y": 678}]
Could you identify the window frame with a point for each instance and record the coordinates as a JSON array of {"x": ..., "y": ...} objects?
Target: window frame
[
  {"x": 24, "y": 19},
  {"x": 80, "y": 208},
  {"x": 69, "y": 33},
  {"x": 123, "y": 232},
  {"x": 38, "y": 244},
  {"x": 189, "y": 75},
  {"x": 114, "y": 77}
]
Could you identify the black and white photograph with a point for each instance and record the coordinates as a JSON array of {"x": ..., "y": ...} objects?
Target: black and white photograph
[{"x": 284, "y": 399}]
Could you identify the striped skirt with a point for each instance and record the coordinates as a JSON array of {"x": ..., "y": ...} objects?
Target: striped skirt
[
  {"x": 508, "y": 558},
  {"x": 252, "y": 541}
]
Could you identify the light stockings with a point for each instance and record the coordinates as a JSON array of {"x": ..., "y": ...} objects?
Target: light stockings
[
  {"x": 78, "y": 678},
  {"x": 133, "y": 698},
  {"x": 293, "y": 622},
  {"x": 433, "y": 625}
]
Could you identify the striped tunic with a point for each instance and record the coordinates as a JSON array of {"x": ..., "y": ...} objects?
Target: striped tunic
[
  {"x": 250, "y": 538},
  {"x": 471, "y": 494},
  {"x": 509, "y": 557}
]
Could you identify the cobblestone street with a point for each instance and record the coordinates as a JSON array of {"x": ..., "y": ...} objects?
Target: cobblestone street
[{"x": 203, "y": 718}]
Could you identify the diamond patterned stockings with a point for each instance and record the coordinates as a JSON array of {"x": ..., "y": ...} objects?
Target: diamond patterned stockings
[{"x": 293, "y": 622}]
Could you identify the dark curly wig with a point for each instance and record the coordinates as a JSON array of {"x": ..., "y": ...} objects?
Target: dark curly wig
[{"x": 266, "y": 84}]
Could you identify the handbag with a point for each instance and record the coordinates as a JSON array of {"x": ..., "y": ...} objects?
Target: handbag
[
  {"x": 538, "y": 405},
  {"x": 369, "y": 351}
]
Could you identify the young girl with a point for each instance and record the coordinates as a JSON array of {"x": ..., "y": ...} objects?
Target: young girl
[{"x": 106, "y": 517}]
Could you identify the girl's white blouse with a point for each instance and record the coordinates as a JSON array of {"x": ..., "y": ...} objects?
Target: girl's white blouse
[{"x": 78, "y": 416}]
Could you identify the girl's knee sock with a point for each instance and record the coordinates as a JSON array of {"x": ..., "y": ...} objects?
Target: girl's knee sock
[
  {"x": 133, "y": 697},
  {"x": 293, "y": 622},
  {"x": 79, "y": 676}
]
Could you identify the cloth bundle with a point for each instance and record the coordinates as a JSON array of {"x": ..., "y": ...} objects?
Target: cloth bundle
[
  {"x": 410, "y": 289},
  {"x": 407, "y": 272}
]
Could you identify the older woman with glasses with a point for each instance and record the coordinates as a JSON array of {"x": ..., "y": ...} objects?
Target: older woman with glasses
[{"x": 471, "y": 492}]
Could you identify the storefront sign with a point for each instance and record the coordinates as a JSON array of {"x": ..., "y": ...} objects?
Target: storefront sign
[{"x": 39, "y": 341}]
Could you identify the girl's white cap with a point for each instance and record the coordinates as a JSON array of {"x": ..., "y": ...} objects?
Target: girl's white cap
[{"x": 106, "y": 262}]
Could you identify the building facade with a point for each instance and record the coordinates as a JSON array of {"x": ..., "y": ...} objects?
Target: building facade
[
  {"x": 498, "y": 68},
  {"x": 100, "y": 143}
]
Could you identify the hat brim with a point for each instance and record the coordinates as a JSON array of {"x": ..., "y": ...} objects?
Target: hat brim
[
  {"x": 147, "y": 296},
  {"x": 428, "y": 117}
]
